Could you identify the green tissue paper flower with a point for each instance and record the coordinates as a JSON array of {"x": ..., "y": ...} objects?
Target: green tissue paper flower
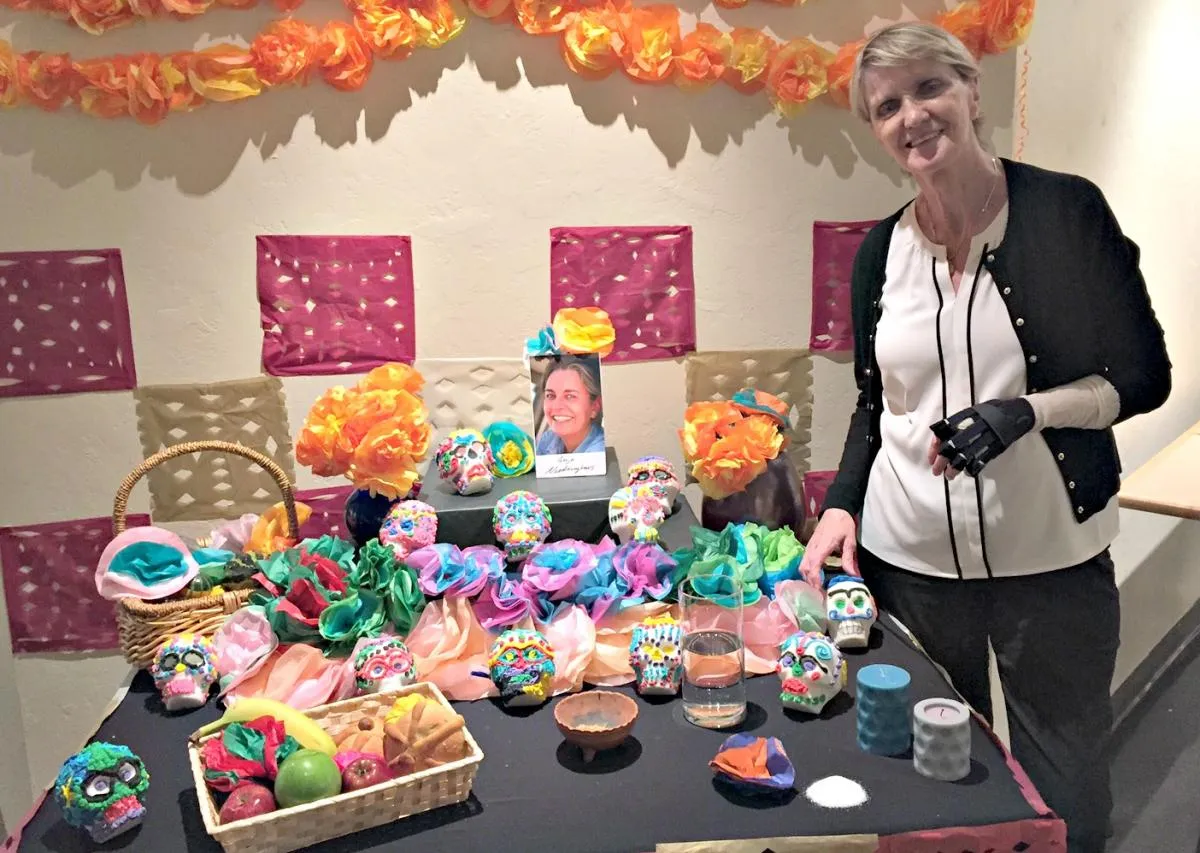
[
  {"x": 404, "y": 599},
  {"x": 360, "y": 614},
  {"x": 332, "y": 548},
  {"x": 376, "y": 565}
]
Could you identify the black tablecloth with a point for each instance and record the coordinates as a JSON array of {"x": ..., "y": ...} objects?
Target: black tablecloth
[{"x": 533, "y": 793}]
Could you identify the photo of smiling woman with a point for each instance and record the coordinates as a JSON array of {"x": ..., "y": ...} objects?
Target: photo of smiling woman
[{"x": 568, "y": 406}]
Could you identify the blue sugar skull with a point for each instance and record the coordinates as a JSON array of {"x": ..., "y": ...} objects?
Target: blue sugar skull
[{"x": 102, "y": 789}]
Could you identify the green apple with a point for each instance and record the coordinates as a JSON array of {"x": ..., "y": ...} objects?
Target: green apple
[{"x": 306, "y": 775}]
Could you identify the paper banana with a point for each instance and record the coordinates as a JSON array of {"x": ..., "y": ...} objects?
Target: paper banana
[{"x": 304, "y": 729}]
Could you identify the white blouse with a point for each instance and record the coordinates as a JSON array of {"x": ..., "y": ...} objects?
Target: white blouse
[{"x": 940, "y": 352}]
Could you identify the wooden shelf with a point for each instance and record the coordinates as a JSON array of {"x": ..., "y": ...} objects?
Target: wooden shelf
[{"x": 1168, "y": 484}]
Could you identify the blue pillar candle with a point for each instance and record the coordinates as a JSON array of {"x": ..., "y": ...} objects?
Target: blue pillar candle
[
  {"x": 942, "y": 739},
  {"x": 882, "y": 701}
]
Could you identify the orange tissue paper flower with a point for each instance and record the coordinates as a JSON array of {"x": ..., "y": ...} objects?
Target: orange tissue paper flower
[
  {"x": 703, "y": 57},
  {"x": 48, "y": 80},
  {"x": 649, "y": 42},
  {"x": 839, "y": 71},
  {"x": 703, "y": 423},
  {"x": 1007, "y": 23},
  {"x": 393, "y": 376},
  {"x": 751, "y": 56},
  {"x": 345, "y": 57},
  {"x": 285, "y": 52},
  {"x": 385, "y": 462},
  {"x": 318, "y": 446},
  {"x": 105, "y": 89},
  {"x": 966, "y": 22},
  {"x": 797, "y": 75},
  {"x": 153, "y": 84},
  {"x": 224, "y": 73},
  {"x": 588, "y": 42},
  {"x": 437, "y": 21},
  {"x": 539, "y": 17},
  {"x": 10, "y": 75},
  {"x": 186, "y": 8},
  {"x": 389, "y": 30},
  {"x": 584, "y": 331},
  {"x": 725, "y": 448},
  {"x": 731, "y": 4},
  {"x": 98, "y": 16}
]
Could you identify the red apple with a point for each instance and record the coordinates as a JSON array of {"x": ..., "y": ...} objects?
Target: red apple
[
  {"x": 248, "y": 799},
  {"x": 364, "y": 772}
]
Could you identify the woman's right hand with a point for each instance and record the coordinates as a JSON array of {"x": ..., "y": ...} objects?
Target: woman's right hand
[{"x": 836, "y": 533}]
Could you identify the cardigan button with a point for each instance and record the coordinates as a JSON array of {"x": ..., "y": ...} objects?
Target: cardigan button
[
  {"x": 1033, "y": 359},
  {"x": 1071, "y": 484},
  {"x": 1079, "y": 510},
  {"x": 991, "y": 258},
  {"x": 1061, "y": 457},
  {"x": 1007, "y": 291},
  {"x": 1020, "y": 321}
]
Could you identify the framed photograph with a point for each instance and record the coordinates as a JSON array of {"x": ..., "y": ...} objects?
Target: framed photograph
[{"x": 568, "y": 415}]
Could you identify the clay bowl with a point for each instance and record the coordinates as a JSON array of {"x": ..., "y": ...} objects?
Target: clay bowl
[{"x": 596, "y": 720}]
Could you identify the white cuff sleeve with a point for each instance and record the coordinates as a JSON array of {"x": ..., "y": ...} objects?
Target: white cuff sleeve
[{"x": 1088, "y": 403}]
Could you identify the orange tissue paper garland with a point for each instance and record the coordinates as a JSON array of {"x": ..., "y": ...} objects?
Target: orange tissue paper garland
[{"x": 645, "y": 42}]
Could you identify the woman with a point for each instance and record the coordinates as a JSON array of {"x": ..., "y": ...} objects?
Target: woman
[
  {"x": 571, "y": 409},
  {"x": 1001, "y": 327}
]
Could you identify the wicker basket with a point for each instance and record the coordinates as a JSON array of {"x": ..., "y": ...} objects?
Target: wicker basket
[
  {"x": 143, "y": 626},
  {"x": 301, "y": 826}
]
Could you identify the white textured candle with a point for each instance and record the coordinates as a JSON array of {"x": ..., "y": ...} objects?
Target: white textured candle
[{"x": 942, "y": 739}]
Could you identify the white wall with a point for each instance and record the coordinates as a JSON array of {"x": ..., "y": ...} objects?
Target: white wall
[
  {"x": 476, "y": 150},
  {"x": 1107, "y": 100}
]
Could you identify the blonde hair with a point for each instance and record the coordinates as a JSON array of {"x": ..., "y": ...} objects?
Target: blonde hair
[{"x": 900, "y": 44}]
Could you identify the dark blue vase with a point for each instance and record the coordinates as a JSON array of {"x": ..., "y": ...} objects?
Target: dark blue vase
[{"x": 365, "y": 514}]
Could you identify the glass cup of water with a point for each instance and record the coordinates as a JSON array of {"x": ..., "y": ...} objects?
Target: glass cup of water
[{"x": 714, "y": 657}]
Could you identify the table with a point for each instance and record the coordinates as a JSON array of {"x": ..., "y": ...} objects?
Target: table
[
  {"x": 533, "y": 793},
  {"x": 1166, "y": 484}
]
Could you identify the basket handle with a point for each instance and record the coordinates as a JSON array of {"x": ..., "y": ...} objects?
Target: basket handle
[{"x": 186, "y": 447}]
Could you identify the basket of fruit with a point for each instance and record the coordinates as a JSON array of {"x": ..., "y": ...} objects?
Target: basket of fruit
[{"x": 341, "y": 768}]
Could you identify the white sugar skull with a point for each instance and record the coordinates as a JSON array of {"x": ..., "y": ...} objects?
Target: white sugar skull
[
  {"x": 656, "y": 656},
  {"x": 851, "y": 611},
  {"x": 635, "y": 512},
  {"x": 183, "y": 670},
  {"x": 657, "y": 473},
  {"x": 409, "y": 525},
  {"x": 812, "y": 670},
  {"x": 520, "y": 521},
  {"x": 383, "y": 665},
  {"x": 464, "y": 458}
]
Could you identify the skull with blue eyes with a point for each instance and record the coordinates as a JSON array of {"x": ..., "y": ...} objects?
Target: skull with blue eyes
[
  {"x": 102, "y": 789},
  {"x": 851, "y": 611},
  {"x": 409, "y": 525},
  {"x": 521, "y": 665},
  {"x": 520, "y": 521},
  {"x": 812, "y": 671}
]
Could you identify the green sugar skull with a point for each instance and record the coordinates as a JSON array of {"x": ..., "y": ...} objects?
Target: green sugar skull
[{"x": 102, "y": 789}]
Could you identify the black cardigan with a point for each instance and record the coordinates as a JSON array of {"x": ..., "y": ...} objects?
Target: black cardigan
[{"x": 1078, "y": 304}]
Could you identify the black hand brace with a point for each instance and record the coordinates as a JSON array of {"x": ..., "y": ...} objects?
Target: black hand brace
[{"x": 978, "y": 434}]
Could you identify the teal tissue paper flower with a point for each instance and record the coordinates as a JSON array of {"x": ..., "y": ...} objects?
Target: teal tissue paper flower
[{"x": 512, "y": 448}]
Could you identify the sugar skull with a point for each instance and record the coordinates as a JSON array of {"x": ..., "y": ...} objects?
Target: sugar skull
[
  {"x": 635, "y": 512},
  {"x": 464, "y": 458},
  {"x": 522, "y": 666},
  {"x": 102, "y": 789},
  {"x": 812, "y": 671},
  {"x": 183, "y": 671},
  {"x": 851, "y": 611},
  {"x": 657, "y": 473},
  {"x": 383, "y": 665},
  {"x": 409, "y": 525},
  {"x": 521, "y": 520},
  {"x": 656, "y": 655}
]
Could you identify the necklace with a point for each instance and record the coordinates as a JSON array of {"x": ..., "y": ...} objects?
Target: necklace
[
  {"x": 992, "y": 191},
  {"x": 987, "y": 203}
]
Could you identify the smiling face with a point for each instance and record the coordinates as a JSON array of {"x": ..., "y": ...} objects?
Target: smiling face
[
  {"x": 923, "y": 114},
  {"x": 568, "y": 407}
]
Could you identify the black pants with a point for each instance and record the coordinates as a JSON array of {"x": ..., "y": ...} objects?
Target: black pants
[{"x": 1055, "y": 636}]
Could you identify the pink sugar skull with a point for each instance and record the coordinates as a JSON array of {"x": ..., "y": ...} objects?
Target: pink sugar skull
[
  {"x": 464, "y": 458},
  {"x": 383, "y": 665},
  {"x": 635, "y": 512},
  {"x": 521, "y": 520},
  {"x": 657, "y": 473},
  {"x": 184, "y": 670},
  {"x": 409, "y": 525}
]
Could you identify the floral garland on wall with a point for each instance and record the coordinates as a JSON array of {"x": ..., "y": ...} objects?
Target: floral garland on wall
[{"x": 644, "y": 42}]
